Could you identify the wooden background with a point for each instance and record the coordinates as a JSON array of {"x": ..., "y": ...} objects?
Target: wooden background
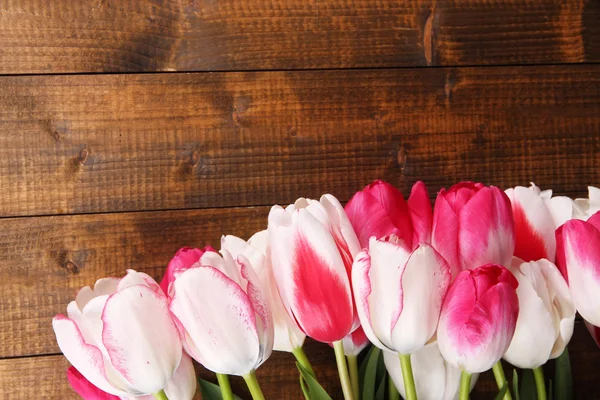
[{"x": 131, "y": 128}]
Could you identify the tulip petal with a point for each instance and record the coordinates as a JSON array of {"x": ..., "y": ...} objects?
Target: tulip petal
[
  {"x": 425, "y": 280},
  {"x": 135, "y": 320},
  {"x": 369, "y": 218},
  {"x": 345, "y": 237},
  {"x": 560, "y": 208},
  {"x": 87, "y": 359},
  {"x": 444, "y": 236},
  {"x": 182, "y": 385},
  {"x": 138, "y": 278},
  {"x": 594, "y": 331},
  {"x": 84, "y": 388},
  {"x": 220, "y": 319},
  {"x": 582, "y": 256},
  {"x": 223, "y": 263},
  {"x": 421, "y": 213}
]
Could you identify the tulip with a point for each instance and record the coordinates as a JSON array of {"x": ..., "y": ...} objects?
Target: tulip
[
  {"x": 578, "y": 258},
  {"x": 585, "y": 208},
  {"x": 473, "y": 225},
  {"x": 399, "y": 296},
  {"x": 182, "y": 385},
  {"x": 183, "y": 259},
  {"x": 120, "y": 335},
  {"x": 546, "y": 314},
  {"x": 478, "y": 318},
  {"x": 380, "y": 210},
  {"x": 435, "y": 378},
  {"x": 313, "y": 246},
  {"x": 222, "y": 314},
  {"x": 534, "y": 225}
]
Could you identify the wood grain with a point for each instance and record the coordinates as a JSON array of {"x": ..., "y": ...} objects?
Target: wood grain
[
  {"x": 59, "y": 36},
  {"x": 106, "y": 143},
  {"x": 45, "y": 260},
  {"x": 44, "y": 377}
]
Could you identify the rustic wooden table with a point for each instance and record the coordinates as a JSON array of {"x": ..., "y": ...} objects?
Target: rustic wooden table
[{"x": 131, "y": 128}]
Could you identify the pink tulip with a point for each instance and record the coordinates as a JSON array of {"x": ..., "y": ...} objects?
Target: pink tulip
[
  {"x": 111, "y": 334},
  {"x": 222, "y": 314},
  {"x": 183, "y": 259},
  {"x": 594, "y": 331},
  {"x": 182, "y": 385},
  {"x": 478, "y": 318},
  {"x": 380, "y": 210},
  {"x": 355, "y": 342},
  {"x": 473, "y": 225},
  {"x": 312, "y": 249},
  {"x": 288, "y": 336},
  {"x": 399, "y": 294},
  {"x": 578, "y": 258}
]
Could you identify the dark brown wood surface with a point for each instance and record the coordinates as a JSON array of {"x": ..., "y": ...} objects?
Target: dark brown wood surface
[
  {"x": 81, "y": 144},
  {"x": 58, "y": 36},
  {"x": 104, "y": 172}
]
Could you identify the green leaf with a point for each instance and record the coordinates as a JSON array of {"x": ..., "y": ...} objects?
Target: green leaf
[
  {"x": 363, "y": 366},
  {"x": 502, "y": 392},
  {"x": 563, "y": 381},
  {"x": 515, "y": 383},
  {"x": 314, "y": 389},
  {"x": 210, "y": 391},
  {"x": 528, "y": 390},
  {"x": 370, "y": 375},
  {"x": 380, "y": 393},
  {"x": 549, "y": 392}
]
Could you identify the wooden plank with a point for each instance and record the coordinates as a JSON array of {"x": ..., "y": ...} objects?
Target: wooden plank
[
  {"x": 105, "y": 143},
  {"x": 44, "y": 377},
  {"x": 45, "y": 260},
  {"x": 60, "y": 36}
]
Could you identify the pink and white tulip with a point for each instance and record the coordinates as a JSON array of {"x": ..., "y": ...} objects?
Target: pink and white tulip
[
  {"x": 578, "y": 258},
  {"x": 288, "y": 336},
  {"x": 380, "y": 210},
  {"x": 313, "y": 246},
  {"x": 435, "y": 378},
  {"x": 222, "y": 314},
  {"x": 120, "y": 335},
  {"x": 355, "y": 342},
  {"x": 546, "y": 314},
  {"x": 183, "y": 259},
  {"x": 478, "y": 318},
  {"x": 473, "y": 225},
  {"x": 182, "y": 385},
  {"x": 399, "y": 293}
]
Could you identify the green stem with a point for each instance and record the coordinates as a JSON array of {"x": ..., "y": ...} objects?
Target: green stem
[
  {"x": 226, "y": 392},
  {"x": 465, "y": 385},
  {"x": 340, "y": 358},
  {"x": 407, "y": 375},
  {"x": 160, "y": 395},
  {"x": 353, "y": 368},
  {"x": 303, "y": 360},
  {"x": 501, "y": 379},
  {"x": 253, "y": 386},
  {"x": 540, "y": 383},
  {"x": 393, "y": 393}
]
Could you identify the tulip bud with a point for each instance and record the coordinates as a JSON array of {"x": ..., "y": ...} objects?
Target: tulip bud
[
  {"x": 546, "y": 314},
  {"x": 478, "y": 318},
  {"x": 288, "y": 335},
  {"x": 111, "y": 334},
  {"x": 473, "y": 225},
  {"x": 312, "y": 249},
  {"x": 578, "y": 258},
  {"x": 435, "y": 378},
  {"x": 399, "y": 294},
  {"x": 380, "y": 210},
  {"x": 221, "y": 311}
]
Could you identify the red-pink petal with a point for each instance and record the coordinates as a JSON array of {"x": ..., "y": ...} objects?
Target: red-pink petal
[
  {"x": 594, "y": 331},
  {"x": 84, "y": 388},
  {"x": 421, "y": 214},
  {"x": 392, "y": 200},
  {"x": 444, "y": 236}
]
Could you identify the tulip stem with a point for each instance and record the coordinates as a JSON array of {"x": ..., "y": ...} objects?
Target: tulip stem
[
  {"x": 353, "y": 368},
  {"x": 160, "y": 395},
  {"x": 540, "y": 383},
  {"x": 303, "y": 360},
  {"x": 465, "y": 385},
  {"x": 501, "y": 379},
  {"x": 393, "y": 393},
  {"x": 253, "y": 386},
  {"x": 407, "y": 375},
  {"x": 226, "y": 392},
  {"x": 340, "y": 358}
]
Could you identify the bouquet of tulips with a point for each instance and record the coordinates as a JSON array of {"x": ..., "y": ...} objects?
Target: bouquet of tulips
[{"x": 443, "y": 293}]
